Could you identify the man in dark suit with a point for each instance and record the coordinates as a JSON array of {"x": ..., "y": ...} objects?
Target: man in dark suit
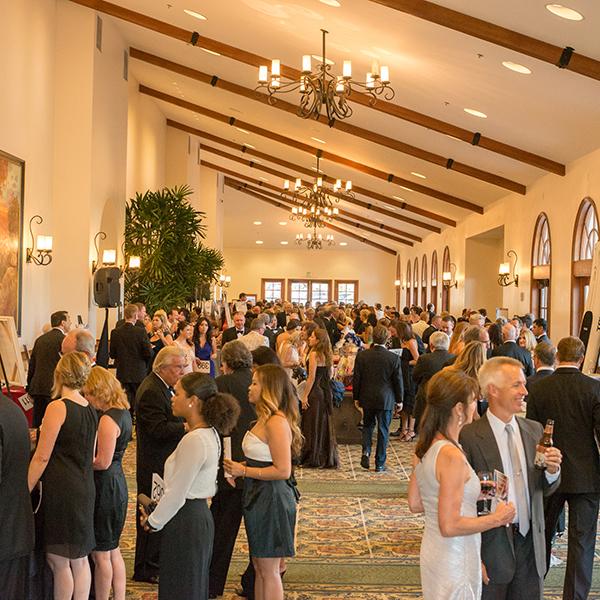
[
  {"x": 226, "y": 507},
  {"x": 572, "y": 400},
  {"x": 544, "y": 357},
  {"x": 16, "y": 516},
  {"x": 131, "y": 350},
  {"x": 158, "y": 433},
  {"x": 540, "y": 330},
  {"x": 511, "y": 349},
  {"x": 271, "y": 330},
  {"x": 427, "y": 366},
  {"x": 514, "y": 557},
  {"x": 377, "y": 387},
  {"x": 283, "y": 315},
  {"x": 44, "y": 358},
  {"x": 237, "y": 331},
  {"x": 140, "y": 317},
  {"x": 436, "y": 325}
]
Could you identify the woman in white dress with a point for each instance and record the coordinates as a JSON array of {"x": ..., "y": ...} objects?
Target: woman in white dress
[{"x": 444, "y": 486}]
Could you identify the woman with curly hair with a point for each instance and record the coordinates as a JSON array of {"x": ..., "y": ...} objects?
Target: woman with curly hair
[{"x": 270, "y": 495}]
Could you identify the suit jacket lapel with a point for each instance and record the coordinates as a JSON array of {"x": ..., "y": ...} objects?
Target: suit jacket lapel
[
  {"x": 529, "y": 444},
  {"x": 488, "y": 445}
]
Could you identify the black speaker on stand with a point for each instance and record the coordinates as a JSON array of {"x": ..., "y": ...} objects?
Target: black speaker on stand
[{"x": 107, "y": 294}]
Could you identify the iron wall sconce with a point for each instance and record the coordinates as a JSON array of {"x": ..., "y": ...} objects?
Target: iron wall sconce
[
  {"x": 40, "y": 252},
  {"x": 449, "y": 277},
  {"x": 224, "y": 281},
  {"x": 504, "y": 272},
  {"x": 109, "y": 257}
]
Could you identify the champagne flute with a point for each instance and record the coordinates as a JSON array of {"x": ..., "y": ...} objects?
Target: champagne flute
[{"x": 488, "y": 491}]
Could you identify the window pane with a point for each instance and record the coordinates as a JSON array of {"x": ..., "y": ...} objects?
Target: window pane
[
  {"x": 273, "y": 291},
  {"x": 319, "y": 292},
  {"x": 346, "y": 293},
  {"x": 299, "y": 291}
]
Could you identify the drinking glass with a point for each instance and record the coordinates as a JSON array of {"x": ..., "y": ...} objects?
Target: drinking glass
[{"x": 488, "y": 491}]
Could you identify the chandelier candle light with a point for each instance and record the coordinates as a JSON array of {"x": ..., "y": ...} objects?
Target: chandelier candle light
[
  {"x": 314, "y": 240},
  {"x": 321, "y": 88}
]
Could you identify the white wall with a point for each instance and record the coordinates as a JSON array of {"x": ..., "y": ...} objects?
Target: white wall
[
  {"x": 559, "y": 198},
  {"x": 482, "y": 257},
  {"x": 375, "y": 271}
]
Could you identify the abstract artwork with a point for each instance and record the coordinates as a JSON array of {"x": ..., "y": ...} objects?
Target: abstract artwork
[{"x": 12, "y": 175}]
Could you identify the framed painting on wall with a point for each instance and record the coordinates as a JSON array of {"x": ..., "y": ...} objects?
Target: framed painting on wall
[{"x": 12, "y": 180}]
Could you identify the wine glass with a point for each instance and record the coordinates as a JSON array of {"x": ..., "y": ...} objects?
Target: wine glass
[{"x": 488, "y": 491}]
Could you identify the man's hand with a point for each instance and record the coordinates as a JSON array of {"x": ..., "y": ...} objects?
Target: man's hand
[
  {"x": 484, "y": 575},
  {"x": 553, "y": 460}
]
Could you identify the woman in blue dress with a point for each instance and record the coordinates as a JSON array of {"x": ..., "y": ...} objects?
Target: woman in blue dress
[{"x": 205, "y": 346}]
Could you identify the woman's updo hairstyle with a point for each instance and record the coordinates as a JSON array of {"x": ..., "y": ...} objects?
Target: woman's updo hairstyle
[
  {"x": 220, "y": 411},
  {"x": 72, "y": 371}
]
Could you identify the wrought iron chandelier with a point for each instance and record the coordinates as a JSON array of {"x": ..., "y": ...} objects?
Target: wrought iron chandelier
[
  {"x": 321, "y": 88},
  {"x": 314, "y": 240},
  {"x": 316, "y": 203}
]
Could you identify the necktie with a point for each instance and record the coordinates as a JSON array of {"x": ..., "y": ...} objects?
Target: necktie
[
  {"x": 240, "y": 332},
  {"x": 171, "y": 390},
  {"x": 519, "y": 483}
]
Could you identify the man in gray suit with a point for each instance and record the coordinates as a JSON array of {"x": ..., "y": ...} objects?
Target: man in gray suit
[{"x": 514, "y": 557}]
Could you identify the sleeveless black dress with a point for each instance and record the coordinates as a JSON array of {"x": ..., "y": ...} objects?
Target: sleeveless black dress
[
  {"x": 409, "y": 385},
  {"x": 68, "y": 485},
  {"x": 320, "y": 445},
  {"x": 111, "y": 488}
]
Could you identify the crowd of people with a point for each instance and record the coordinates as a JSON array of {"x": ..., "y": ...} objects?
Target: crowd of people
[{"x": 225, "y": 405}]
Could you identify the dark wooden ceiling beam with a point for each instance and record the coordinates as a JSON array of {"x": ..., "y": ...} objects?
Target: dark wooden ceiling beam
[
  {"x": 356, "y": 201},
  {"x": 377, "y": 138},
  {"x": 341, "y": 230},
  {"x": 390, "y": 108},
  {"x": 343, "y": 217},
  {"x": 389, "y": 177},
  {"x": 501, "y": 36},
  {"x": 298, "y": 169}
]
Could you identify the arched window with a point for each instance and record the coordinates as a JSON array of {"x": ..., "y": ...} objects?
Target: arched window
[
  {"x": 434, "y": 278},
  {"x": 446, "y": 289},
  {"x": 585, "y": 237},
  {"x": 416, "y": 282},
  {"x": 398, "y": 281},
  {"x": 541, "y": 269},
  {"x": 424, "y": 282},
  {"x": 408, "y": 284}
]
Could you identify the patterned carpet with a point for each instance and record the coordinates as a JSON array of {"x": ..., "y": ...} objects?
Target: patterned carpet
[{"x": 356, "y": 537}]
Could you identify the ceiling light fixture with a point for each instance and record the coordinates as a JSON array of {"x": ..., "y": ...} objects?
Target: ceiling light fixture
[
  {"x": 318, "y": 140},
  {"x": 343, "y": 243},
  {"x": 321, "y": 88},
  {"x": 406, "y": 188},
  {"x": 419, "y": 175},
  {"x": 283, "y": 222},
  {"x": 210, "y": 51},
  {"x": 564, "y": 12},
  {"x": 242, "y": 130},
  {"x": 194, "y": 14},
  {"x": 315, "y": 203},
  {"x": 314, "y": 240},
  {"x": 257, "y": 223},
  {"x": 259, "y": 242},
  {"x": 333, "y": 3},
  {"x": 475, "y": 113},
  {"x": 398, "y": 198},
  {"x": 251, "y": 147},
  {"x": 284, "y": 243},
  {"x": 516, "y": 67}
]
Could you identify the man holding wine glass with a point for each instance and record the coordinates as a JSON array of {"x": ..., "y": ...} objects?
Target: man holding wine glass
[{"x": 513, "y": 557}]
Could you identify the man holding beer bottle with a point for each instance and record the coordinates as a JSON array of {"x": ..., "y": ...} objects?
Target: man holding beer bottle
[{"x": 572, "y": 400}]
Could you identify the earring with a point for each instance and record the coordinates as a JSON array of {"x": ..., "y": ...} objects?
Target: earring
[
  {"x": 460, "y": 421},
  {"x": 190, "y": 405}
]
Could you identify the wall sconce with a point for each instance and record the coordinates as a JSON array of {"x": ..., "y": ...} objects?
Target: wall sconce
[
  {"x": 224, "y": 281},
  {"x": 109, "y": 257},
  {"x": 504, "y": 271},
  {"x": 397, "y": 283},
  {"x": 40, "y": 252},
  {"x": 96, "y": 263},
  {"x": 449, "y": 277}
]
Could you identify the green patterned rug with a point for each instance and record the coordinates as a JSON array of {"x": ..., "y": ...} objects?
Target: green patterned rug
[{"x": 356, "y": 537}]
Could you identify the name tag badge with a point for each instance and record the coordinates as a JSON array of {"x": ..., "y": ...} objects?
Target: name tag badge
[{"x": 158, "y": 487}]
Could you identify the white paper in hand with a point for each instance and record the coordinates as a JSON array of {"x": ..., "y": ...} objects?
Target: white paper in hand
[
  {"x": 227, "y": 453},
  {"x": 158, "y": 487},
  {"x": 26, "y": 402}
]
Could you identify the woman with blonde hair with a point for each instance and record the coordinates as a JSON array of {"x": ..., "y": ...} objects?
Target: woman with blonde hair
[
  {"x": 160, "y": 336},
  {"x": 471, "y": 359},
  {"x": 456, "y": 341},
  {"x": 527, "y": 340},
  {"x": 106, "y": 395},
  {"x": 364, "y": 330},
  {"x": 320, "y": 445},
  {"x": 289, "y": 352},
  {"x": 63, "y": 462},
  {"x": 270, "y": 494}
]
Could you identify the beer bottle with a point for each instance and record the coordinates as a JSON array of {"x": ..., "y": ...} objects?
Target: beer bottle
[{"x": 545, "y": 442}]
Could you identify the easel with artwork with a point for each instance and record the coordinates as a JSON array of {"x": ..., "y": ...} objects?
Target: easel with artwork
[{"x": 11, "y": 362}]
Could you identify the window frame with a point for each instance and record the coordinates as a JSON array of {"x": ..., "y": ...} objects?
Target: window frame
[
  {"x": 424, "y": 282},
  {"x": 337, "y": 283},
  {"x": 445, "y": 289},
  {"x": 541, "y": 274},
  {"x": 309, "y": 282},
  {"x": 263, "y": 286},
  {"x": 434, "y": 279}
]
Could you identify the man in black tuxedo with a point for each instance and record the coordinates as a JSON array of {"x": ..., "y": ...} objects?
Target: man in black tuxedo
[
  {"x": 572, "y": 400},
  {"x": 436, "y": 325},
  {"x": 16, "y": 515},
  {"x": 511, "y": 349},
  {"x": 377, "y": 387},
  {"x": 271, "y": 330},
  {"x": 476, "y": 333},
  {"x": 140, "y": 317},
  {"x": 544, "y": 357},
  {"x": 44, "y": 358},
  {"x": 226, "y": 507},
  {"x": 237, "y": 331},
  {"x": 131, "y": 350},
  {"x": 283, "y": 315},
  {"x": 514, "y": 557},
  {"x": 158, "y": 433},
  {"x": 427, "y": 366},
  {"x": 540, "y": 330}
]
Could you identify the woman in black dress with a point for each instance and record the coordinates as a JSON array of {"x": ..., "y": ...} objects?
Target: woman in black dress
[
  {"x": 320, "y": 445},
  {"x": 114, "y": 433},
  {"x": 160, "y": 337},
  {"x": 63, "y": 461},
  {"x": 410, "y": 355},
  {"x": 270, "y": 495}
]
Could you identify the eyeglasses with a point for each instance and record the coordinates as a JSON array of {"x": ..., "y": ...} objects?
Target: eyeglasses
[{"x": 177, "y": 366}]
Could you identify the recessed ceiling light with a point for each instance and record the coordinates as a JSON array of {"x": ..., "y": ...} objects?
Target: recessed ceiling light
[
  {"x": 318, "y": 140},
  {"x": 334, "y": 3},
  {"x": 564, "y": 12},
  {"x": 314, "y": 168},
  {"x": 284, "y": 243},
  {"x": 398, "y": 198},
  {"x": 343, "y": 243},
  {"x": 419, "y": 175},
  {"x": 257, "y": 223},
  {"x": 210, "y": 51},
  {"x": 251, "y": 147},
  {"x": 328, "y": 61},
  {"x": 475, "y": 113},
  {"x": 516, "y": 67},
  {"x": 256, "y": 161},
  {"x": 194, "y": 14},
  {"x": 259, "y": 242},
  {"x": 263, "y": 178},
  {"x": 242, "y": 130},
  {"x": 406, "y": 188},
  {"x": 283, "y": 222}
]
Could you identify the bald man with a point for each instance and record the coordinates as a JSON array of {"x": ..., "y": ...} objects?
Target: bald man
[{"x": 513, "y": 350}]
